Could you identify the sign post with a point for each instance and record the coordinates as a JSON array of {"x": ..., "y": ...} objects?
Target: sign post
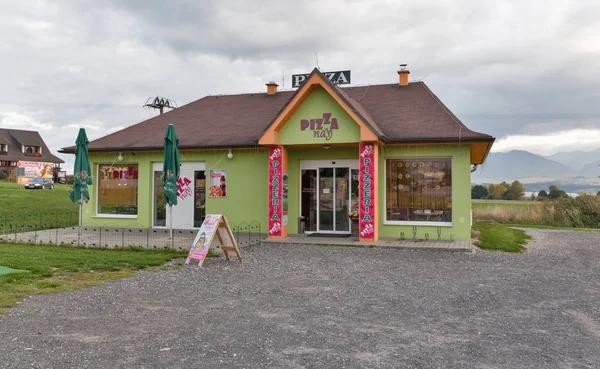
[{"x": 213, "y": 225}]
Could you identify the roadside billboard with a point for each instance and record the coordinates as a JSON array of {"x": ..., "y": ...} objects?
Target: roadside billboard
[{"x": 33, "y": 169}]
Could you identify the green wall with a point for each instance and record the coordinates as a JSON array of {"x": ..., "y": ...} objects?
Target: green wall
[
  {"x": 461, "y": 186},
  {"x": 247, "y": 185},
  {"x": 461, "y": 190},
  {"x": 317, "y": 103}
]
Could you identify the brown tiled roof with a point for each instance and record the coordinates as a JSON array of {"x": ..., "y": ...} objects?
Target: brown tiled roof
[
  {"x": 4, "y": 137},
  {"x": 16, "y": 137},
  {"x": 213, "y": 121},
  {"x": 396, "y": 114},
  {"x": 412, "y": 114}
]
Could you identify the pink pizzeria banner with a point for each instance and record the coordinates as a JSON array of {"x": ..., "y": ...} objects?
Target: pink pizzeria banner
[
  {"x": 275, "y": 190},
  {"x": 367, "y": 191}
]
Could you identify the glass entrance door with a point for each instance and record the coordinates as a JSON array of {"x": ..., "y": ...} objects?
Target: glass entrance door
[
  {"x": 334, "y": 200},
  {"x": 329, "y": 188},
  {"x": 326, "y": 198},
  {"x": 342, "y": 200}
]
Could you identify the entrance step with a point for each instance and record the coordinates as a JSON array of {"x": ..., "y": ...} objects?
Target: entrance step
[{"x": 464, "y": 246}]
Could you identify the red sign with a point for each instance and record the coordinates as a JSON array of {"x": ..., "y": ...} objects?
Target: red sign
[
  {"x": 275, "y": 190},
  {"x": 367, "y": 191},
  {"x": 183, "y": 187}
]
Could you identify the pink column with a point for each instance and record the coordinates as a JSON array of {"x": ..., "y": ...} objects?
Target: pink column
[{"x": 368, "y": 156}]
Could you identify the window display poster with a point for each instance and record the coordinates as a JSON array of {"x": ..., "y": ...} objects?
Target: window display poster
[
  {"x": 217, "y": 183},
  {"x": 285, "y": 199},
  {"x": 367, "y": 193}
]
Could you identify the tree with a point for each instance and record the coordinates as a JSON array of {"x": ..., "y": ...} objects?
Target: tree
[
  {"x": 532, "y": 197},
  {"x": 497, "y": 191},
  {"x": 598, "y": 194},
  {"x": 543, "y": 194},
  {"x": 479, "y": 192},
  {"x": 515, "y": 191},
  {"x": 555, "y": 192}
]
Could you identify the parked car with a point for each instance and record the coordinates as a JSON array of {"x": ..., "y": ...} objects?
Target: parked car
[{"x": 40, "y": 184}]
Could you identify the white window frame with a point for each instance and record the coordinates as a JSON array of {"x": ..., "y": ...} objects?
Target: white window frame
[
  {"x": 158, "y": 167},
  {"x": 413, "y": 222}
]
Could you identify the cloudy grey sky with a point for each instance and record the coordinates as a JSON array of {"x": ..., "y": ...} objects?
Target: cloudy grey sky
[{"x": 526, "y": 72}]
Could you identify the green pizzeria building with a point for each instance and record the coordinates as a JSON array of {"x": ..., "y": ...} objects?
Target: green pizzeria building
[{"x": 302, "y": 161}]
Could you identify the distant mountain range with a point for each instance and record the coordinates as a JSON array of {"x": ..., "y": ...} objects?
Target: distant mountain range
[
  {"x": 576, "y": 159},
  {"x": 575, "y": 171}
]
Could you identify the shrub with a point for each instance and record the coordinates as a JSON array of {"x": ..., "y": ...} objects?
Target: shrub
[
  {"x": 2, "y": 176},
  {"x": 579, "y": 212},
  {"x": 479, "y": 192}
]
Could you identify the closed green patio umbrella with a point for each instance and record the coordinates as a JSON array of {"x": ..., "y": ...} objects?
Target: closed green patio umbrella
[
  {"x": 82, "y": 176},
  {"x": 170, "y": 173}
]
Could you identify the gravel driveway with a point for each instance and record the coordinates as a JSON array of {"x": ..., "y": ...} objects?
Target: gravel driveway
[{"x": 329, "y": 307}]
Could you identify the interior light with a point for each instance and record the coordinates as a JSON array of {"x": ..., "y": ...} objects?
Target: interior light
[
  {"x": 327, "y": 147},
  {"x": 230, "y": 154},
  {"x": 120, "y": 157}
]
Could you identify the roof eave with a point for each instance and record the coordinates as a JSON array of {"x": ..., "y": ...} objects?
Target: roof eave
[
  {"x": 443, "y": 139},
  {"x": 71, "y": 150}
]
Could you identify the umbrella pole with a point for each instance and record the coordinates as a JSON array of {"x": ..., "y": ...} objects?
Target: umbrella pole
[
  {"x": 80, "y": 213},
  {"x": 171, "y": 221}
]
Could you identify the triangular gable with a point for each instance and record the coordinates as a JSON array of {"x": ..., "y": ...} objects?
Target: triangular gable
[
  {"x": 319, "y": 120},
  {"x": 315, "y": 80}
]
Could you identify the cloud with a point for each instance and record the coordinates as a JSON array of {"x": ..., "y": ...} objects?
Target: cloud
[
  {"x": 505, "y": 68},
  {"x": 548, "y": 144}
]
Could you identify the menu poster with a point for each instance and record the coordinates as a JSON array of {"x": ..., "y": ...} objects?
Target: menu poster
[
  {"x": 204, "y": 237},
  {"x": 214, "y": 225},
  {"x": 284, "y": 218},
  {"x": 217, "y": 183}
]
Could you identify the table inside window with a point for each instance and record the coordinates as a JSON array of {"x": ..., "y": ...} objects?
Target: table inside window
[{"x": 432, "y": 214}]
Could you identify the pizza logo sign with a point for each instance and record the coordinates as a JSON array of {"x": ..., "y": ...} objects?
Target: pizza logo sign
[
  {"x": 183, "y": 187},
  {"x": 321, "y": 127}
]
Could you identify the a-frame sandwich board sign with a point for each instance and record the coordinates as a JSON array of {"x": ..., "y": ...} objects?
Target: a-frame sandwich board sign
[{"x": 213, "y": 225}]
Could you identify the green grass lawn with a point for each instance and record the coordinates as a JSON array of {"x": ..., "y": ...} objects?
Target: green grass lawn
[
  {"x": 56, "y": 269},
  {"x": 500, "y": 237},
  {"x": 556, "y": 228},
  {"x": 36, "y": 208}
]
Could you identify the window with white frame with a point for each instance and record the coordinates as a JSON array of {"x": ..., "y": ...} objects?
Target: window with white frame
[
  {"x": 118, "y": 189},
  {"x": 418, "y": 190},
  {"x": 32, "y": 150}
]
